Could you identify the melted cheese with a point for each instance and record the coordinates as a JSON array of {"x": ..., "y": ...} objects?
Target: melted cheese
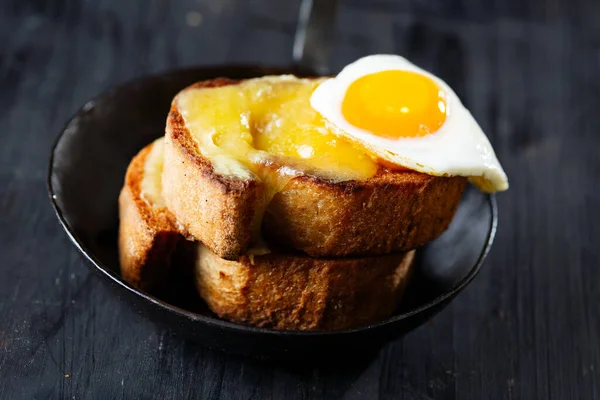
[
  {"x": 259, "y": 125},
  {"x": 151, "y": 184}
]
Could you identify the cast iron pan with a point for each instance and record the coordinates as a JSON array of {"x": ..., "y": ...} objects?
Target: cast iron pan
[{"x": 87, "y": 167}]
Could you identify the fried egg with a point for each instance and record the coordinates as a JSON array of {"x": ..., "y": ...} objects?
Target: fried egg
[{"x": 410, "y": 118}]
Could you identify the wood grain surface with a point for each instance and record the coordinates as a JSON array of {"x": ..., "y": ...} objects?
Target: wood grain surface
[{"x": 528, "y": 327}]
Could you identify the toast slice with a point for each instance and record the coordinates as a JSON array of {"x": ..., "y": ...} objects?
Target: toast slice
[
  {"x": 227, "y": 205},
  {"x": 298, "y": 292},
  {"x": 148, "y": 234}
]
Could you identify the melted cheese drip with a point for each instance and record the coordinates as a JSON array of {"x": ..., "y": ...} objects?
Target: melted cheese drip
[{"x": 151, "y": 184}]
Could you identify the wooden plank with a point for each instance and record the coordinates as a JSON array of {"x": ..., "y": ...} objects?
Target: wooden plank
[{"x": 528, "y": 327}]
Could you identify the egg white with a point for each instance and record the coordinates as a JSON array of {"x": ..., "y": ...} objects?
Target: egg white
[{"x": 458, "y": 148}]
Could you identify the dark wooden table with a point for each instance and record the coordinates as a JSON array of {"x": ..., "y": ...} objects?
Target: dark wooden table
[{"x": 528, "y": 327}]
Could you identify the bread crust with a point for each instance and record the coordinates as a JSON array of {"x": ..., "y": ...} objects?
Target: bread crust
[
  {"x": 391, "y": 212},
  {"x": 148, "y": 235},
  {"x": 214, "y": 209},
  {"x": 394, "y": 211},
  {"x": 298, "y": 292}
]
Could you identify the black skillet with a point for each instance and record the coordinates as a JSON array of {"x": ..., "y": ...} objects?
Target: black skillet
[{"x": 88, "y": 162}]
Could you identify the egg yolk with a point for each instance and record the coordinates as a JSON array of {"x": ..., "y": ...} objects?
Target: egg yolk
[{"x": 395, "y": 104}]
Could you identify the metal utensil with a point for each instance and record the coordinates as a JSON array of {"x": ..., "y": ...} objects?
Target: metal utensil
[{"x": 314, "y": 35}]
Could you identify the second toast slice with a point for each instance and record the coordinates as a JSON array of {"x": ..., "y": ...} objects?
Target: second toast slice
[
  {"x": 297, "y": 292},
  {"x": 148, "y": 234}
]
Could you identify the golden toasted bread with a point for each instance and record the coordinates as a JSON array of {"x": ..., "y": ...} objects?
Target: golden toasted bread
[
  {"x": 148, "y": 233},
  {"x": 222, "y": 203},
  {"x": 298, "y": 292}
]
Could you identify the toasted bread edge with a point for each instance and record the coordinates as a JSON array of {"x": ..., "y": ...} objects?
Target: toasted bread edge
[
  {"x": 298, "y": 292},
  {"x": 147, "y": 235}
]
